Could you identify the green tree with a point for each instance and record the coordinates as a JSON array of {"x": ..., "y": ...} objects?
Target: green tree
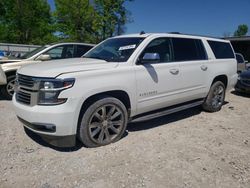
[
  {"x": 26, "y": 21},
  {"x": 75, "y": 20},
  {"x": 241, "y": 31},
  {"x": 112, "y": 16}
]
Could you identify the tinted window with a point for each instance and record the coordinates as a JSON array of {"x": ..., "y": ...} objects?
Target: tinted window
[
  {"x": 61, "y": 52},
  {"x": 188, "y": 49},
  {"x": 161, "y": 46},
  {"x": 222, "y": 50},
  {"x": 81, "y": 50}
]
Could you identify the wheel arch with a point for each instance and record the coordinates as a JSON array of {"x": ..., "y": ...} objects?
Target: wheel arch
[
  {"x": 223, "y": 78},
  {"x": 10, "y": 72},
  {"x": 118, "y": 94}
]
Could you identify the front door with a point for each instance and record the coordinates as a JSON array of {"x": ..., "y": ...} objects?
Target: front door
[{"x": 158, "y": 82}]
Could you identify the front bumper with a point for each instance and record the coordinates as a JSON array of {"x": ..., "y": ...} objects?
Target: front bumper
[
  {"x": 49, "y": 121},
  {"x": 242, "y": 87}
]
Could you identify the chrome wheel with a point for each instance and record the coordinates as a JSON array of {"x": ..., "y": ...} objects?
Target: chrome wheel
[
  {"x": 106, "y": 124},
  {"x": 218, "y": 96},
  {"x": 10, "y": 87}
]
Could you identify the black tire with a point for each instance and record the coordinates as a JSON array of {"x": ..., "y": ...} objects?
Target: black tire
[
  {"x": 6, "y": 90},
  {"x": 99, "y": 129},
  {"x": 215, "y": 98}
]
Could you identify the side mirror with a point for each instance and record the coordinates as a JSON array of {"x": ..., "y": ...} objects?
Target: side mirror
[
  {"x": 240, "y": 58},
  {"x": 44, "y": 57},
  {"x": 150, "y": 58}
]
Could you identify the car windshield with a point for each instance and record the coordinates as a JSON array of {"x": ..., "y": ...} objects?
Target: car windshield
[
  {"x": 115, "y": 49},
  {"x": 33, "y": 52}
]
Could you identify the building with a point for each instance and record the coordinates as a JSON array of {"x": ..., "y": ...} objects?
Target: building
[{"x": 241, "y": 45}]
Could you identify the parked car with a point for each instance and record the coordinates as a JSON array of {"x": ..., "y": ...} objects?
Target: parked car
[
  {"x": 248, "y": 66},
  {"x": 243, "y": 83},
  {"x": 241, "y": 62},
  {"x": 125, "y": 78},
  {"x": 44, "y": 53}
]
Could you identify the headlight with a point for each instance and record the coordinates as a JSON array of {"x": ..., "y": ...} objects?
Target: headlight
[{"x": 50, "y": 90}]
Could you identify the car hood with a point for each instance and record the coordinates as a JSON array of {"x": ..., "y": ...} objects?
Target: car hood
[
  {"x": 245, "y": 74},
  {"x": 3, "y": 61},
  {"x": 58, "y": 67}
]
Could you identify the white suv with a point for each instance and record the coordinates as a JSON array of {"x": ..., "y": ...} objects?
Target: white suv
[
  {"x": 9, "y": 67},
  {"x": 126, "y": 78}
]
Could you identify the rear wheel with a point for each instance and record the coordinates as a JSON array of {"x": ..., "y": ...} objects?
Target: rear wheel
[
  {"x": 8, "y": 89},
  {"x": 103, "y": 122},
  {"x": 215, "y": 98}
]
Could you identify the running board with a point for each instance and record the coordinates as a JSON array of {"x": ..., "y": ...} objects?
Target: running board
[{"x": 167, "y": 111}]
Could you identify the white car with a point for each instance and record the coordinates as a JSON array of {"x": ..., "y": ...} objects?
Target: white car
[
  {"x": 44, "y": 53},
  {"x": 125, "y": 78}
]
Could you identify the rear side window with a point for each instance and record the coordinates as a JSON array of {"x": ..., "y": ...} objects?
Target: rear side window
[
  {"x": 81, "y": 50},
  {"x": 221, "y": 50},
  {"x": 188, "y": 49}
]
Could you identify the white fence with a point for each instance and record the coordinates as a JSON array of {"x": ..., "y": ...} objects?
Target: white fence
[{"x": 17, "y": 48}]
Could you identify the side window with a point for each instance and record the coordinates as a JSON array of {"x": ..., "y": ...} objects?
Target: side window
[
  {"x": 221, "y": 50},
  {"x": 61, "y": 52},
  {"x": 188, "y": 49},
  {"x": 162, "y": 46},
  {"x": 81, "y": 50}
]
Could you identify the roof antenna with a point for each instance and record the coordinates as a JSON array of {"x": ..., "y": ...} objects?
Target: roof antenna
[{"x": 142, "y": 33}]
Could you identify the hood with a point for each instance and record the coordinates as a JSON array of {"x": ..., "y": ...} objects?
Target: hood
[
  {"x": 245, "y": 74},
  {"x": 57, "y": 67},
  {"x": 3, "y": 61}
]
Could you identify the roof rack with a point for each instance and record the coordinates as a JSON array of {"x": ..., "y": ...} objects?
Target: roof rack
[
  {"x": 174, "y": 32},
  {"x": 142, "y": 33}
]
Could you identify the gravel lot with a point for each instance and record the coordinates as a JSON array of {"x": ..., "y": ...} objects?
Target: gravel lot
[{"x": 187, "y": 149}]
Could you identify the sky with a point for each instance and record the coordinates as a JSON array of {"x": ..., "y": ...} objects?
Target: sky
[{"x": 202, "y": 17}]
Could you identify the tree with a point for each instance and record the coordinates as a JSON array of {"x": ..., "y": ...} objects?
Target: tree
[
  {"x": 75, "y": 19},
  {"x": 241, "y": 31},
  {"x": 112, "y": 16},
  {"x": 26, "y": 21}
]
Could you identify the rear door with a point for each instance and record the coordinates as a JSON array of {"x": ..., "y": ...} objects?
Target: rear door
[{"x": 192, "y": 59}]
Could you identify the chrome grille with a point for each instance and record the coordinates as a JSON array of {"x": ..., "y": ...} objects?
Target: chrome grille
[
  {"x": 25, "y": 80},
  {"x": 26, "y": 89},
  {"x": 23, "y": 97}
]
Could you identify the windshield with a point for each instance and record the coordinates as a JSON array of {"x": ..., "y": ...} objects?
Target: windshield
[
  {"x": 33, "y": 52},
  {"x": 115, "y": 49}
]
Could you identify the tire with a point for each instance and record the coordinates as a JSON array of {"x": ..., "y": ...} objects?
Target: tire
[
  {"x": 215, "y": 98},
  {"x": 8, "y": 90},
  {"x": 103, "y": 122}
]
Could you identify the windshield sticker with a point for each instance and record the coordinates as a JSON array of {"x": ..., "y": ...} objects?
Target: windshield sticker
[{"x": 127, "y": 47}]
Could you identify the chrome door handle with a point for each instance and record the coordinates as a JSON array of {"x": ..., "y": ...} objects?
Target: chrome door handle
[
  {"x": 174, "y": 71},
  {"x": 204, "y": 67}
]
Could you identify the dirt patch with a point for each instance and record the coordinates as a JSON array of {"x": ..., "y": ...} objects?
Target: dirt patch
[{"x": 191, "y": 148}]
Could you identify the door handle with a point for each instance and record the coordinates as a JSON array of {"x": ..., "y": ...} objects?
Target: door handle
[
  {"x": 203, "y": 67},
  {"x": 174, "y": 71}
]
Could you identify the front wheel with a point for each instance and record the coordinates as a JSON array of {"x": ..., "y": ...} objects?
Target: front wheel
[
  {"x": 8, "y": 89},
  {"x": 103, "y": 122},
  {"x": 215, "y": 98}
]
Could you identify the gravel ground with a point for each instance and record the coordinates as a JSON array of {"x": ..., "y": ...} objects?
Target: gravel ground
[{"x": 187, "y": 149}]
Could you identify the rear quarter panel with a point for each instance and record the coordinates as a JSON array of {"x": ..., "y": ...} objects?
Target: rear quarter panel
[{"x": 217, "y": 67}]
